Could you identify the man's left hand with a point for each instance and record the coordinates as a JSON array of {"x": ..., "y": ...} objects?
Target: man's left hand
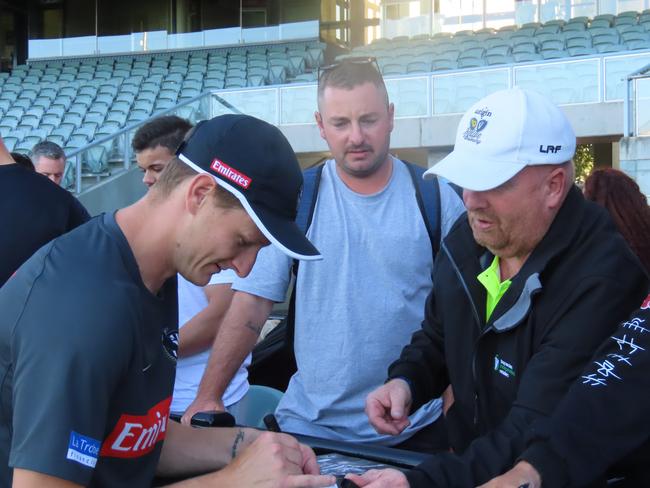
[
  {"x": 380, "y": 478},
  {"x": 523, "y": 474}
]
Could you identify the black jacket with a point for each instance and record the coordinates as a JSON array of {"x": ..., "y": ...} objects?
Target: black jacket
[
  {"x": 604, "y": 418},
  {"x": 578, "y": 283}
]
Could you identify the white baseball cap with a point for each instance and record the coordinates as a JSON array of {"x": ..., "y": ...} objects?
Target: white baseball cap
[{"x": 503, "y": 133}]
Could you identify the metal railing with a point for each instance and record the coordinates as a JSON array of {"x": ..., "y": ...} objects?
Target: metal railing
[
  {"x": 567, "y": 81},
  {"x": 93, "y": 160},
  {"x": 636, "y": 115}
]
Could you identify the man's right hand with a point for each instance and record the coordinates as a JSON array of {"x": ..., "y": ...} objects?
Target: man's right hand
[
  {"x": 388, "y": 407},
  {"x": 200, "y": 405},
  {"x": 276, "y": 461}
]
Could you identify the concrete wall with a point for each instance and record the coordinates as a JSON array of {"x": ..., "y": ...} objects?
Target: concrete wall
[
  {"x": 116, "y": 192},
  {"x": 635, "y": 160},
  {"x": 439, "y": 132}
]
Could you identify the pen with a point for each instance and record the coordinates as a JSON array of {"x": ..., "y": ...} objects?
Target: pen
[{"x": 271, "y": 423}]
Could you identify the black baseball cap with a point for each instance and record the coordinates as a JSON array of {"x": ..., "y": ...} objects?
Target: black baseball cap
[{"x": 254, "y": 161}]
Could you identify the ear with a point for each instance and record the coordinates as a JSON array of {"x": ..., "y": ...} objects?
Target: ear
[
  {"x": 556, "y": 183},
  {"x": 391, "y": 115},
  {"x": 319, "y": 122},
  {"x": 198, "y": 190}
]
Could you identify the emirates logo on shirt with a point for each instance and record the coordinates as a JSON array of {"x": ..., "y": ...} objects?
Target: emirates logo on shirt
[{"x": 137, "y": 435}]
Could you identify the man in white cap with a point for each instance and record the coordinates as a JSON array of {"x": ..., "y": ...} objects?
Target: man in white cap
[{"x": 529, "y": 283}]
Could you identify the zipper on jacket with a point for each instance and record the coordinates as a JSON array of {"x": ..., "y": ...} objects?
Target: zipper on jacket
[{"x": 478, "y": 324}]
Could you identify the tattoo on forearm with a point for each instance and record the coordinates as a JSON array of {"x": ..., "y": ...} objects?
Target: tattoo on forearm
[
  {"x": 255, "y": 328},
  {"x": 238, "y": 440}
]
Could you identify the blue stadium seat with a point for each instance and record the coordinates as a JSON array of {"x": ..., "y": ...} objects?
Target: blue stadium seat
[
  {"x": 469, "y": 62},
  {"x": 418, "y": 67},
  {"x": 600, "y": 23},
  {"x": 494, "y": 59},
  {"x": 609, "y": 48},
  {"x": 554, "y": 53},
  {"x": 444, "y": 64},
  {"x": 526, "y": 56},
  {"x": 637, "y": 44}
]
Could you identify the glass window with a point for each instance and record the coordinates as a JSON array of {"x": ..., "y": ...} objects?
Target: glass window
[
  {"x": 457, "y": 15},
  {"x": 219, "y": 14},
  {"x": 499, "y": 13}
]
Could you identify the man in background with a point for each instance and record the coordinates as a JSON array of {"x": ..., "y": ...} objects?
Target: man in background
[
  {"x": 357, "y": 308},
  {"x": 32, "y": 212},
  {"x": 49, "y": 160},
  {"x": 155, "y": 143}
]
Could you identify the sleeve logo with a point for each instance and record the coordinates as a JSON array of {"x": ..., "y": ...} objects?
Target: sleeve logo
[
  {"x": 137, "y": 435},
  {"x": 83, "y": 450}
]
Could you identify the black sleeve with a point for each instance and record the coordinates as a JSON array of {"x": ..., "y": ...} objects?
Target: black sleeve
[
  {"x": 422, "y": 362},
  {"x": 604, "y": 416},
  {"x": 78, "y": 214},
  {"x": 575, "y": 333},
  {"x": 68, "y": 357}
]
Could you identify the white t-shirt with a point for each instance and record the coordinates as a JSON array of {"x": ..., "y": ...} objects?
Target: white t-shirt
[
  {"x": 358, "y": 307},
  {"x": 189, "y": 370}
]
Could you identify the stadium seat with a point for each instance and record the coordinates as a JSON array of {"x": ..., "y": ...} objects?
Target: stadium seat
[
  {"x": 637, "y": 44},
  {"x": 494, "y": 59},
  {"x": 255, "y": 80},
  {"x": 581, "y": 51},
  {"x": 584, "y": 42},
  {"x": 444, "y": 64},
  {"x": 554, "y": 53},
  {"x": 524, "y": 47},
  {"x": 609, "y": 48},
  {"x": 258, "y": 402},
  {"x": 96, "y": 159},
  {"x": 553, "y": 44},
  {"x": 526, "y": 56},
  {"x": 10, "y": 142},
  {"x": 418, "y": 67},
  {"x": 625, "y": 28},
  {"x": 393, "y": 69},
  {"x": 469, "y": 62},
  {"x": 635, "y": 36},
  {"x": 605, "y": 38}
]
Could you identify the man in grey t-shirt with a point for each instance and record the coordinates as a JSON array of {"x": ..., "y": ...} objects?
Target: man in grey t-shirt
[{"x": 360, "y": 305}]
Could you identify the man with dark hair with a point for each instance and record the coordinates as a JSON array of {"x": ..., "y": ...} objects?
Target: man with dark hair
[
  {"x": 88, "y": 330},
  {"x": 33, "y": 212},
  {"x": 155, "y": 141},
  {"x": 356, "y": 309},
  {"x": 531, "y": 281},
  {"x": 49, "y": 160}
]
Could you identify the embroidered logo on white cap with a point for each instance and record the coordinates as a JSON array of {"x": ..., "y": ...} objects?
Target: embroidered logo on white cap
[{"x": 476, "y": 125}]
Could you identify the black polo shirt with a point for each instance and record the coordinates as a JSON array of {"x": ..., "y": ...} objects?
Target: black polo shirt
[{"x": 87, "y": 361}]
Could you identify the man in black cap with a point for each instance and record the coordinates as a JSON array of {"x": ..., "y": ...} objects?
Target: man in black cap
[{"x": 89, "y": 332}]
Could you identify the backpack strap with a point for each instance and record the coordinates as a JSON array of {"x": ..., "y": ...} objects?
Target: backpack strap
[
  {"x": 306, "y": 206},
  {"x": 311, "y": 182},
  {"x": 427, "y": 194}
]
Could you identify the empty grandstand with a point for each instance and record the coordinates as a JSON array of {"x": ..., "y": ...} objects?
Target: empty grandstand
[{"x": 88, "y": 93}]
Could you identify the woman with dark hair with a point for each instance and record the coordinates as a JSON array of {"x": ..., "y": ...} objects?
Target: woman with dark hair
[{"x": 621, "y": 196}]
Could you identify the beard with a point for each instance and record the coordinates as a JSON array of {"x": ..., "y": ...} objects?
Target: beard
[{"x": 368, "y": 167}]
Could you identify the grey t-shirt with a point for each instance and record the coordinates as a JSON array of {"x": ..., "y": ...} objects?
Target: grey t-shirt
[
  {"x": 87, "y": 359},
  {"x": 356, "y": 308}
]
